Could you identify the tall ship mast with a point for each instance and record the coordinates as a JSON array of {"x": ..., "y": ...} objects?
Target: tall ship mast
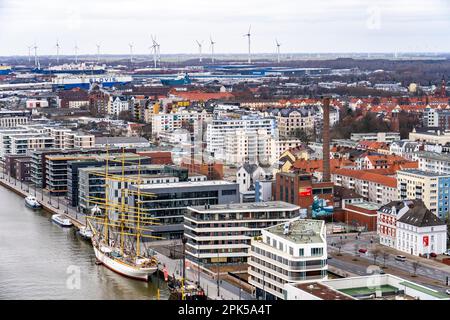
[{"x": 119, "y": 229}]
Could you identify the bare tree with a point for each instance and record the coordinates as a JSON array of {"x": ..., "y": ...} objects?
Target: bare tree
[
  {"x": 356, "y": 248},
  {"x": 375, "y": 255},
  {"x": 385, "y": 256},
  {"x": 415, "y": 265}
]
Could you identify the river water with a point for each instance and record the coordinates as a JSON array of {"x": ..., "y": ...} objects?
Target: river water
[{"x": 41, "y": 260}]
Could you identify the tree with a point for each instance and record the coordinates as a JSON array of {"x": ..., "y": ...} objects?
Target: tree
[
  {"x": 375, "y": 255},
  {"x": 356, "y": 248},
  {"x": 415, "y": 265},
  {"x": 302, "y": 135},
  {"x": 385, "y": 256},
  {"x": 125, "y": 115}
]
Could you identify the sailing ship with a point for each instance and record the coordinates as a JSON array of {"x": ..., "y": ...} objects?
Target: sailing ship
[{"x": 119, "y": 229}]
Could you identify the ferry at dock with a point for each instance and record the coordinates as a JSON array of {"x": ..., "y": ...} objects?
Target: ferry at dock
[{"x": 85, "y": 82}]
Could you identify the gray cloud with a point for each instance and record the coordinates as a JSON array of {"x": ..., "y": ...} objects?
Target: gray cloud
[{"x": 301, "y": 25}]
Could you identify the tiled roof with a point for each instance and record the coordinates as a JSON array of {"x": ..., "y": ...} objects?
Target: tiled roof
[
  {"x": 367, "y": 176},
  {"x": 420, "y": 216}
]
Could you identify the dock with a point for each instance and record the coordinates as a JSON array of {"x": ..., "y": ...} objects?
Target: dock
[{"x": 52, "y": 205}]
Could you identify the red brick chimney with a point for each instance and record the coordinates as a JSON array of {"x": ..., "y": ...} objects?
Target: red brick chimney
[{"x": 326, "y": 140}]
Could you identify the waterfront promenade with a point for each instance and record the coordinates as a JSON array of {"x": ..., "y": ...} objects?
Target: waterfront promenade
[{"x": 59, "y": 205}]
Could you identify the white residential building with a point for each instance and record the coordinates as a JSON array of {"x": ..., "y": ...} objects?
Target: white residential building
[
  {"x": 294, "y": 252},
  {"x": 117, "y": 104},
  {"x": 218, "y": 129},
  {"x": 420, "y": 232},
  {"x": 11, "y": 119},
  {"x": 376, "y": 136},
  {"x": 162, "y": 122},
  {"x": 434, "y": 162},
  {"x": 222, "y": 233}
]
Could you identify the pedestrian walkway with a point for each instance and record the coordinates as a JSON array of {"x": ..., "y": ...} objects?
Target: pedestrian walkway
[{"x": 225, "y": 290}]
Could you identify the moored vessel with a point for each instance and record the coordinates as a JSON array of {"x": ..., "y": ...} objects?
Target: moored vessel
[
  {"x": 32, "y": 203},
  {"x": 61, "y": 220}
]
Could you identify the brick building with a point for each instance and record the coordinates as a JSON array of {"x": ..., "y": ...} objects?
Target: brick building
[{"x": 300, "y": 189}]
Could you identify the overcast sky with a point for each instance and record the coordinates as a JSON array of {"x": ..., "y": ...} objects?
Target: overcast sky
[{"x": 299, "y": 25}]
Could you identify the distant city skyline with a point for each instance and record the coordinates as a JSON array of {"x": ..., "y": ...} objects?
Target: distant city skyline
[{"x": 322, "y": 26}]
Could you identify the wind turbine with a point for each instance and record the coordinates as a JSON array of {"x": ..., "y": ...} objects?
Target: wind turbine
[
  {"x": 36, "y": 60},
  {"x": 29, "y": 54},
  {"x": 158, "y": 50},
  {"x": 131, "y": 52},
  {"x": 57, "y": 51},
  {"x": 154, "y": 47},
  {"x": 76, "y": 53},
  {"x": 248, "y": 35},
  {"x": 278, "y": 50},
  {"x": 199, "y": 50},
  {"x": 98, "y": 52},
  {"x": 212, "y": 48}
]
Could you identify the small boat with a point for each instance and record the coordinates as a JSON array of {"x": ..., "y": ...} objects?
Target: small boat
[
  {"x": 85, "y": 233},
  {"x": 61, "y": 220},
  {"x": 32, "y": 203}
]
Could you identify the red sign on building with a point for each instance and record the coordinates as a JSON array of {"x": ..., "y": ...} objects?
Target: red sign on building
[
  {"x": 304, "y": 192},
  {"x": 425, "y": 241}
]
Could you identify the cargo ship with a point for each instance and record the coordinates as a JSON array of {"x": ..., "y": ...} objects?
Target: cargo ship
[
  {"x": 180, "y": 80},
  {"x": 85, "y": 82},
  {"x": 5, "y": 70},
  {"x": 80, "y": 68}
]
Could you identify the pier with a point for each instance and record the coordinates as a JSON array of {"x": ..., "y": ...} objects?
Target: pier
[{"x": 215, "y": 289}]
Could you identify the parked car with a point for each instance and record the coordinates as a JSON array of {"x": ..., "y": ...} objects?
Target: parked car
[
  {"x": 362, "y": 250},
  {"x": 433, "y": 255},
  {"x": 400, "y": 258},
  {"x": 447, "y": 253},
  {"x": 447, "y": 291}
]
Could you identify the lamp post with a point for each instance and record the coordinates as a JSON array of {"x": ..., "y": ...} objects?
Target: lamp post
[
  {"x": 184, "y": 240},
  {"x": 218, "y": 273}
]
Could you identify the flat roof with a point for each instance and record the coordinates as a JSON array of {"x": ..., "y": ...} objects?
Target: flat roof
[
  {"x": 423, "y": 173},
  {"x": 323, "y": 292},
  {"x": 300, "y": 231},
  {"x": 253, "y": 206},
  {"x": 433, "y": 155},
  {"x": 184, "y": 184},
  {"x": 366, "y": 205}
]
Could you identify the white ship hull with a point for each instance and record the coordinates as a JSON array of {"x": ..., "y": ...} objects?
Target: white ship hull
[{"x": 122, "y": 268}]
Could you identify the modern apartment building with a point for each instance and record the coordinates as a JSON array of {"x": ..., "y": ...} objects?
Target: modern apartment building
[
  {"x": 222, "y": 233},
  {"x": 162, "y": 122},
  {"x": 11, "y": 119},
  {"x": 91, "y": 181},
  {"x": 292, "y": 252},
  {"x": 376, "y": 136},
  {"x": 170, "y": 201},
  {"x": 434, "y": 162},
  {"x": 219, "y": 128},
  {"x": 430, "y": 187}
]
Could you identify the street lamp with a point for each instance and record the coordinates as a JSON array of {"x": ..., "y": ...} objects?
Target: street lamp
[
  {"x": 184, "y": 240},
  {"x": 218, "y": 269}
]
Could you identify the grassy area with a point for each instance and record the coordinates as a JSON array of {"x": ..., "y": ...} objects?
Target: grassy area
[
  {"x": 368, "y": 291},
  {"x": 433, "y": 293}
]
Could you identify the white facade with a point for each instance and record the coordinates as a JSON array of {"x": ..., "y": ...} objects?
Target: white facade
[
  {"x": 421, "y": 240},
  {"x": 218, "y": 129},
  {"x": 376, "y": 136},
  {"x": 162, "y": 122},
  {"x": 293, "y": 254},
  {"x": 222, "y": 233}
]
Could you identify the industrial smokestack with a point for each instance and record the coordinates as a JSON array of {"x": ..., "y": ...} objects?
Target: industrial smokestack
[{"x": 326, "y": 140}]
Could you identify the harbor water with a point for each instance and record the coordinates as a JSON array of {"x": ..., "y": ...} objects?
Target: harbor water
[{"x": 41, "y": 260}]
